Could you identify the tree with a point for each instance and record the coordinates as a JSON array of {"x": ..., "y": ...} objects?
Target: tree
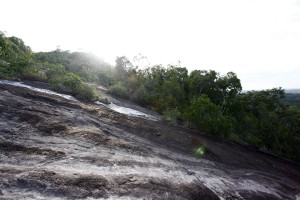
[
  {"x": 208, "y": 117},
  {"x": 264, "y": 121},
  {"x": 174, "y": 88},
  {"x": 204, "y": 82},
  {"x": 230, "y": 86},
  {"x": 122, "y": 66},
  {"x": 15, "y": 54}
]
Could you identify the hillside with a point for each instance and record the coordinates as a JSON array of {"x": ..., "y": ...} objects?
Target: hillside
[
  {"x": 292, "y": 99},
  {"x": 74, "y": 127},
  {"x": 293, "y": 91},
  {"x": 203, "y": 100},
  {"x": 57, "y": 148}
]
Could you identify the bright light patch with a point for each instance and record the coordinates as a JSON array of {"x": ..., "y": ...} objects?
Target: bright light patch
[{"x": 199, "y": 151}]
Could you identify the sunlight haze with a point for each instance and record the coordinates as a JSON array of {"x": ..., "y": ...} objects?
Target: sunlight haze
[{"x": 258, "y": 40}]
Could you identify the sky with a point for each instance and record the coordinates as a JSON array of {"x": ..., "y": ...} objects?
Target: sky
[{"x": 259, "y": 40}]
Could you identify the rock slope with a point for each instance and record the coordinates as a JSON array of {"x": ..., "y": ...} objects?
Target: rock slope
[{"x": 55, "y": 148}]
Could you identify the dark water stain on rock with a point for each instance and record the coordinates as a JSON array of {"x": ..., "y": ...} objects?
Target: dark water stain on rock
[{"x": 11, "y": 147}]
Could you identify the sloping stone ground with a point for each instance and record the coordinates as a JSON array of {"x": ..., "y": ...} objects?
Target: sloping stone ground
[{"x": 54, "y": 148}]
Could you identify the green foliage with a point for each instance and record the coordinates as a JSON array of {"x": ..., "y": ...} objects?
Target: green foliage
[
  {"x": 104, "y": 100},
  {"x": 220, "y": 89},
  {"x": 66, "y": 82},
  {"x": 171, "y": 116},
  {"x": 34, "y": 72},
  {"x": 173, "y": 90},
  {"x": 18, "y": 62},
  {"x": 264, "y": 121},
  {"x": 234, "y": 137},
  {"x": 7, "y": 72},
  {"x": 292, "y": 99},
  {"x": 123, "y": 65},
  {"x": 119, "y": 90},
  {"x": 253, "y": 141},
  {"x": 204, "y": 82},
  {"x": 85, "y": 65},
  {"x": 208, "y": 117},
  {"x": 142, "y": 97},
  {"x": 14, "y": 56},
  {"x": 213, "y": 104},
  {"x": 55, "y": 70}
]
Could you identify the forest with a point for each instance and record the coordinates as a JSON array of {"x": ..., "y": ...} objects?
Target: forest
[{"x": 204, "y": 100}]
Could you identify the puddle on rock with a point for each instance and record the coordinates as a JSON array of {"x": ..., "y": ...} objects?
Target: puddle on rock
[
  {"x": 119, "y": 109},
  {"x": 20, "y": 84},
  {"x": 128, "y": 111}
]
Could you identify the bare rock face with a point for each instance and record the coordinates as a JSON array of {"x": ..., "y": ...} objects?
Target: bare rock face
[{"x": 55, "y": 148}]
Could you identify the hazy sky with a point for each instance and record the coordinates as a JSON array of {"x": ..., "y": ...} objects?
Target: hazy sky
[{"x": 257, "y": 39}]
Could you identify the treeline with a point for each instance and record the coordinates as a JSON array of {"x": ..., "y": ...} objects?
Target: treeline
[
  {"x": 86, "y": 65},
  {"x": 202, "y": 99},
  {"x": 292, "y": 99},
  {"x": 66, "y": 72},
  {"x": 213, "y": 104}
]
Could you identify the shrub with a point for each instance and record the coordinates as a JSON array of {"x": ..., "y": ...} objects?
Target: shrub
[
  {"x": 254, "y": 141},
  {"x": 142, "y": 96},
  {"x": 63, "y": 81},
  {"x": 33, "y": 73},
  {"x": 104, "y": 100},
  {"x": 54, "y": 71},
  {"x": 208, "y": 117},
  {"x": 171, "y": 116},
  {"x": 119, "y": 90},
  {"x": 234, "y": 137}
]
